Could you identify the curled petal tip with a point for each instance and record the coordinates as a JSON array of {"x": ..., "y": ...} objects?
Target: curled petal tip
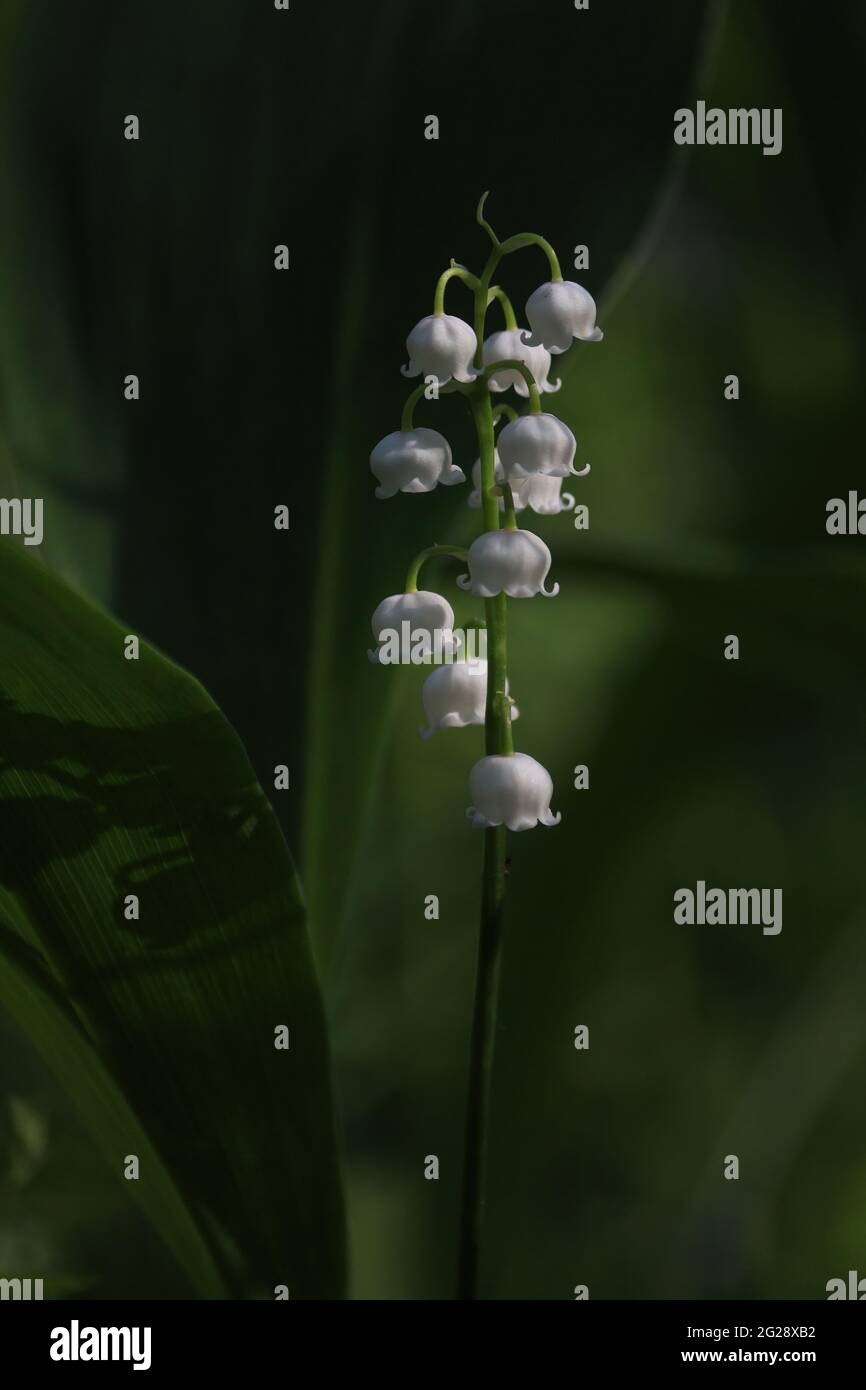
[
  {"x": 553, "y": 388},
  {"x": 566, "y": 502},
  {"x": 582, "y": 472},
  {"x": 408, "y": 370},
  {"x": 463, "y": 581},
  {"x": 549, "y": 593},
  {"x": 551, "y": 819}
]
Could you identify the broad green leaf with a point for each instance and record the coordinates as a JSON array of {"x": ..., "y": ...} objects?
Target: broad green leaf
[
  {"x": 28, "y": 1001},
  {"x": 120, "y": 778}
]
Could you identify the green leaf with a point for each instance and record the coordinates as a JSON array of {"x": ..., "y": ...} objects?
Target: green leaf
[{"x": 120, "y": 777}]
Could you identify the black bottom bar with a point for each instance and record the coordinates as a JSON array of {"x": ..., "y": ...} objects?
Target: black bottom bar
[{"x": 162, "y": 1338}]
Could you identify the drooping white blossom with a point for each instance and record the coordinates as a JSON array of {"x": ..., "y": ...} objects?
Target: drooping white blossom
[
  {"x": 558, "y": 312},
  {"x": 509, "y": 345},
  {"x": 538, "y": 443},
  {"x": 540, "y": 492},
  {"x": 430, "y": 626},
  {"x": 413, "y": 461},
  {"x": 510, "y": 789},
  {"x": 441, "y": 346},
  {"x": 455, "y": 695},
  {"x": 511, "y": 562}
]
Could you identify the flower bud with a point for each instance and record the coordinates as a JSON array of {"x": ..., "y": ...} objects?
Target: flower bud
[
  {"x": 558, "y": 312},
  {"x": 537, "y": 444},
  {"x": 456, "y": 695},
  {"x": 430, "y": 618},
  {"x": 442, "y": 346},
  {"x": 413, "y": 461},
  {"x": 510, "y": 789},
  {"x": 510, "y": 345},
  {"x": 539, "y": 492},
  {"x": 511, "y": 562}
]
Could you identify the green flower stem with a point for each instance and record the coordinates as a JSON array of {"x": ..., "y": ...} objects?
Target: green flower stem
[
  {"x": 512, "y": 364},
  {"x": 497, "y": 292},
  {"x": 408, "y": 420},
  {"x": 510, "y": 523},
  {"x": 500, "y": 249},
  {"x": 415, "y": 568},
  {"x": 503, "y": 490},
  {"x": 496, "y": 736},
  {"x": 482, "y": 221},
  {"x": 454, "y": 271},
  {"x": 497, "y": 733}
]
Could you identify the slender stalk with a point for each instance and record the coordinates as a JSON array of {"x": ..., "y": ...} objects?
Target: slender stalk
[
  {"x": 497, "y": 729},
  {"x": 510, "y": 522},
  {"x": 503, "y": 412},
  {"x": 421, "y": 558},
  {"x": 497, "y": 723},
  {"x": 500, "y": 249},
  {"x": 498, "y": 293},
  {"x": 512, "y": 364},
  {"x": 481, "y": 1061},
  {"x": 454, "y": 271},
  {"x": 408, "y": 420},
  {"x": 498, "y": 740},
  {"x": 482, "y": 221}
]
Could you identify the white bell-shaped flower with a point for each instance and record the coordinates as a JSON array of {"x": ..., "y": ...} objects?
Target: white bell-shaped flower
[
  {"x": 443, "y": 346},
  {"x": 539, "y": 492},
  {"x": 510, "y": 345},
  {"x": 508, "y": 562},
  {"x": 542, "y": 494},
  {"x": 537, "y": 443},
  {"x": 510, "y": 789},
  {"x": 413, "y": 461},
  {"x": 456, "y": 695},
  {"x": 558, "y": 312},
  {"x": 416, "y": 626}
]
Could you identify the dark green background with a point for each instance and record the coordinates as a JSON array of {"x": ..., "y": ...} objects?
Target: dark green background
[{"x": 707, "y": 518}]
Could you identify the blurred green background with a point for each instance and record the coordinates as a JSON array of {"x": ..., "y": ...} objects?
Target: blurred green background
[{"x": 706, "y": 518}]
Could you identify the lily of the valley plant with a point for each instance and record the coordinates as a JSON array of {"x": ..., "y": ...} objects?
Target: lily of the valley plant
[{"x": 521, "y": 469}]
